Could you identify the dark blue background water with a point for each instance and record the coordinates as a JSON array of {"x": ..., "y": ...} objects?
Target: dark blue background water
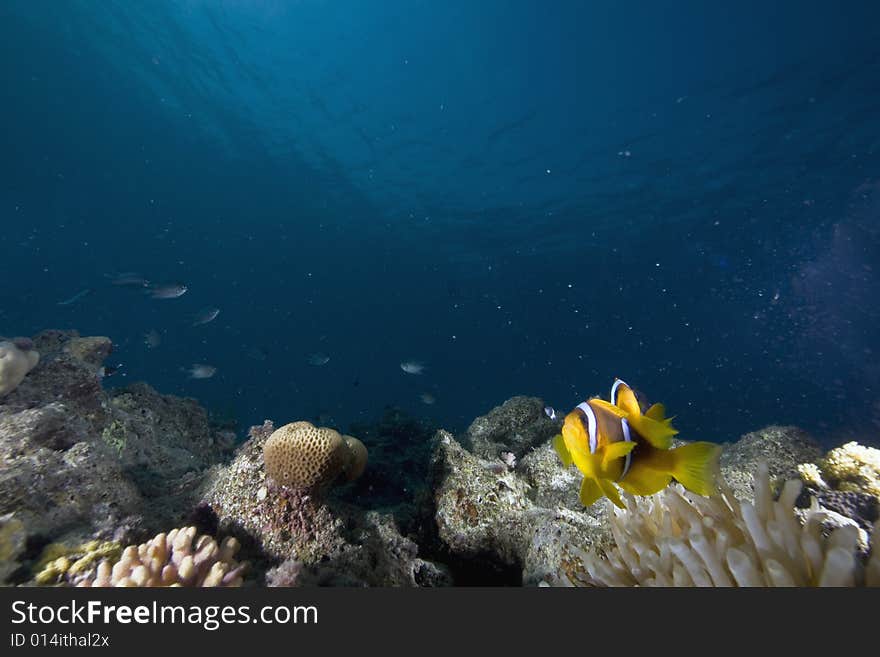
[{"x": 530, "y": 197}]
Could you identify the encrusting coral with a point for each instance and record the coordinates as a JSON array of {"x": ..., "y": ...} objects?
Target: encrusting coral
[
  {"x": 852, "y": 467},
  {"x": 302, "y": 456},
  {"x": 678, "y": 539},
  {"x": 64, "y": 562},
  {"x": 178, "y": 558}
]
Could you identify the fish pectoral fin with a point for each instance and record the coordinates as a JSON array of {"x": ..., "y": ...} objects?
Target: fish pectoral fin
[
  {"x": 616, "y": 451},
  {"x": 696, "y": 467},
  {"x": 658, "y": 433},
  {"x": 562, "y": 450},
  {"x": 642, "y": 480},
  {"x": 590, "y": 491}
]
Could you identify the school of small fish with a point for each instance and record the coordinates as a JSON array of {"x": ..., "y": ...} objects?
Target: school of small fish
[{"x": 153, "y": 338}]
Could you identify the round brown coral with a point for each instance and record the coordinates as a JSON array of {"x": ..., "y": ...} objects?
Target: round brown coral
[{"x": 300, "y": 455}]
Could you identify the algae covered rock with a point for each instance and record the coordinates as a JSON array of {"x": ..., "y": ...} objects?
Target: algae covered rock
[
  {"x": 12, "y": 543},
  {"x": 516, "y": 426},
  {"x": 78, "y": 462},
  {"x": 513, "y": 525},
  {"x": 782, "y": 448}
]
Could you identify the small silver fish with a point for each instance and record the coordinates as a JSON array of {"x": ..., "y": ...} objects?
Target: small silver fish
[
  {"x": 76, "y": 297},
  {"x": 170, "y": 291},
  {"x": 412, "y": 367},
  {"x": 428, "y": 398},
  {"x": 318, "y": 359},
  {"x": 199, "y": 371},
  {"x": 128, "y": 279},
  {"x": 205, "y": 316},
  {"x": 152, "y": 339},
  {"x": 108, "y": 370}
]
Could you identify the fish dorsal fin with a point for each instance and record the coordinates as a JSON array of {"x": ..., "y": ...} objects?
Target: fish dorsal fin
[
  {"x": 624, "y": 398},
  {"x": 657, "y": 412}
]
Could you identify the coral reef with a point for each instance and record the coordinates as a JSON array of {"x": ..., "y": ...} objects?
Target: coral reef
[
  {"x": 528, "y": 518},
  {"x": 178, "y": 558},
  {"x": 302, "y": 456},
  {"x": 336, "y": 542},
  {"x": 78, "y": 462},
  {"x": 84, "y": 471},
  {"x": 675, "y": 538}
]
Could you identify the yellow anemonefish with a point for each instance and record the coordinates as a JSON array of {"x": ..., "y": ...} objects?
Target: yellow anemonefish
[{"x": 617, "y": 443}]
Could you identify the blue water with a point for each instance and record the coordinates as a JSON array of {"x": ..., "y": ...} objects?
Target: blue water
[{"x": 528, "y": 197}]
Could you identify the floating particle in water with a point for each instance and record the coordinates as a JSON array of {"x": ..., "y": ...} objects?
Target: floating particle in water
[
  {"x": 257, "y": 352},
  {"x": 428, "y": 398}
]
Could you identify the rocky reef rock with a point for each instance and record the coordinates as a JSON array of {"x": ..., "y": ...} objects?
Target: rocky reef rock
[
  {"x": 527, "y": 519},
  {"x": 12, "y": 544},
  {"x": 510, "y": 525},
  {"x": 782, "y": 448},
  {"x": 323, "y": 541},
  {"x": 515, "y": 427},
  {"x": 79, "y": 462}
]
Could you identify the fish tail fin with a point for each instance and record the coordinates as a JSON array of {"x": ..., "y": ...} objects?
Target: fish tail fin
[
  {"x": 696, "y": 467},
  {"x": 562, "y": 450}
]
